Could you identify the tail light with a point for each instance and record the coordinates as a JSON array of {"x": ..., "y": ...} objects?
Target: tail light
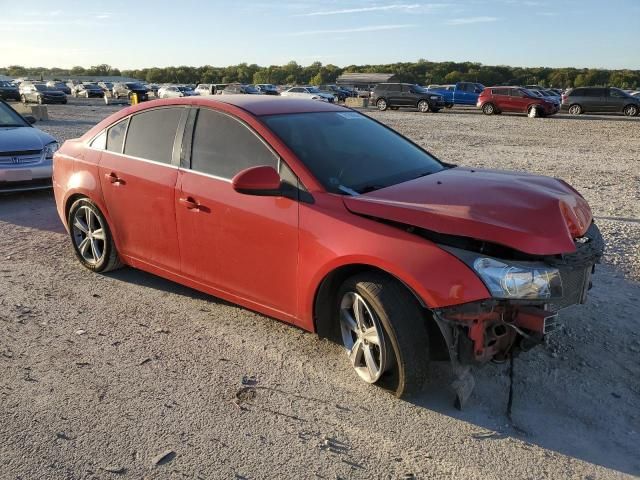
[{"x": 564, "y": 98}]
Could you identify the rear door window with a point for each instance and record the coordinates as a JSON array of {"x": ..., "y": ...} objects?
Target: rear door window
[
  {"x": 594, "y": 92},
  {"x": 394, "y": 88},
  {"x": 115, "y": 136},
  {"x": 152, "y": 133},
  {"x": 223, "y": 146}
]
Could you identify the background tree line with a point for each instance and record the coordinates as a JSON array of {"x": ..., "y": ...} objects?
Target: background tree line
[{"x": 421, "y": 72}]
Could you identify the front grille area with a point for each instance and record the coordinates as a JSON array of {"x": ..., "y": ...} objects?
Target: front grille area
[
  {"x": 26, "y": 157},
  {"x": 576, "y": 268},
  {"x": 575, "y": 283}
]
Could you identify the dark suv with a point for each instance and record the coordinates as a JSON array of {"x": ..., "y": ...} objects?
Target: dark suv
[
  {"x": 600, "y": 100},
  {"x": 124, "y": 90},
  {"x": 396, "y": 95},
  {"x": 8, "y": 91}
]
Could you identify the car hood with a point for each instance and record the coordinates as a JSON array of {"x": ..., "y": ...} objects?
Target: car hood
[
  {"x": 17, "y": 139},
  {"x": 533, "y": 214}
]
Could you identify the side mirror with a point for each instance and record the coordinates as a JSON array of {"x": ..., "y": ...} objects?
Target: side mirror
[
  {"x": 31, "y": 119},
  {"x": 262, "y": 180}
]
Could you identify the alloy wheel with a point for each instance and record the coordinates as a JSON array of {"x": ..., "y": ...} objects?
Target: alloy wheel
[
  {"x": 575, "y": 110},
  {"x": 382, "y": 105},
  {"x": 89, "y": 235},
  {"x": 631, "y": 111},
  {"x": 488, "y": 109},
  {"x": 423, "y": 106},
  {"x": 362, "y": 337}
]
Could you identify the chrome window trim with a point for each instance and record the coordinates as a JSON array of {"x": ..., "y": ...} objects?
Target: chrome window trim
[{"x": 208, "y": 175}]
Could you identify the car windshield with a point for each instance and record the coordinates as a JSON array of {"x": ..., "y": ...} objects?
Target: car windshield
[
  {"x": 42, "y": 88},
  {"x": 9, "y": 118},
  {"x": 349, "y": 153},
  {"x": 134, "y": 86},
  {"x": 4, "y": 84},
  {"x": 313, "y": 89},
  {"x": 250, "y": 89}
]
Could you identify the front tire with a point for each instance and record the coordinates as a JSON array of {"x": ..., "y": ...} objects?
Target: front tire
[
  {"x": 381, "y": 104},
  {"x": 631, "y": 110},
  {"x": 91, "y": 238},
  {"x": 533, "y": 112},
  {"x": 488, "y": 109},
  {"x": 384, "y": 332}
]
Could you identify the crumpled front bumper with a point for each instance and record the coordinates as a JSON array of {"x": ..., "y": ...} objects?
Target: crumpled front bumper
[{"x": 494, "y": 329}]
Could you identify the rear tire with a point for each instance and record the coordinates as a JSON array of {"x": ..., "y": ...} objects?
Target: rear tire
[
  {"x": 91, "y": 238},
  {"x": 575, "y": 109},
  {"x": 392, "y": 315},
  {"x": 381, "y": 104},
  {"x": 533, "y": 112},
  {"x": 631, "y": 110},
  {"x": 488, "y": 109}
]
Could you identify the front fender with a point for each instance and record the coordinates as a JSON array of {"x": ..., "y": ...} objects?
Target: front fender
[{"x": 329, "y": 242}]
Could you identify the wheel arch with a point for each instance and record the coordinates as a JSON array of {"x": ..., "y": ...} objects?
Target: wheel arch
[
  {"x": 77, "y": 195},
  {"x": 326, "y": 325}
]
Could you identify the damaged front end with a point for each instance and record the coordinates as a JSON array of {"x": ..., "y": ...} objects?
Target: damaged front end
[{"x": 527, "y": 292}]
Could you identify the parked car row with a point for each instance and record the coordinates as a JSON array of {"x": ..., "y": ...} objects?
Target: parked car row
[{"x": 533, "y": 100}]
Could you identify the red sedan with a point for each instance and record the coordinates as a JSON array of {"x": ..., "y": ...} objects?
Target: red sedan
[{"x": 317, "y": 215}]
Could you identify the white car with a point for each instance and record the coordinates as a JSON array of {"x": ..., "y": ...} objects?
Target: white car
[
  {"x": 308, "y": 92},
  {"x": 174, "y": 91}
]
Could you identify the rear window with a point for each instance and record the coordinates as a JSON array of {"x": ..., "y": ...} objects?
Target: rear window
[{"x": 152, "y": 133}]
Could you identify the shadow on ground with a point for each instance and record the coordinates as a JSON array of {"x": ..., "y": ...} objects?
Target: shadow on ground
[{"x": 35, "y": 209}]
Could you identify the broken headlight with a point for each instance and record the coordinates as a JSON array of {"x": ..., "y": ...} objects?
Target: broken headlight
[{"x": 519, "y": 280}]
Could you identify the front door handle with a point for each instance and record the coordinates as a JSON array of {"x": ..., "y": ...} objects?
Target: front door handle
[
  {"x": 113, "y": 178},
  {"x": 190, "y": 203}
]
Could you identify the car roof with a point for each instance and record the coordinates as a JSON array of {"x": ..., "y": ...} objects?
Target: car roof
[
  {"x": 256, "y": 105},
  {"x": 269, "y": 105}
]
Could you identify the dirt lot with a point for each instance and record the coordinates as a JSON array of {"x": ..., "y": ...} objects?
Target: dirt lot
[{"x": 103, "y": 374}]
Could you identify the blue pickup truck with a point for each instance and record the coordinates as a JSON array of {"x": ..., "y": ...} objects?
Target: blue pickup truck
[{"x": 462, "y": 93}]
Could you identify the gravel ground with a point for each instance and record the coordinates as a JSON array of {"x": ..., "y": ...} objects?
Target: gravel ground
[{"x": 127, "y": 375}]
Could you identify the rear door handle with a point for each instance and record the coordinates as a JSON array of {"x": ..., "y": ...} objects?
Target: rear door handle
[{"x": 113, "y": 178}]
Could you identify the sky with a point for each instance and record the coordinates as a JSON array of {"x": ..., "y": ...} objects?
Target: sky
[{"x": 138, "y": 34}]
